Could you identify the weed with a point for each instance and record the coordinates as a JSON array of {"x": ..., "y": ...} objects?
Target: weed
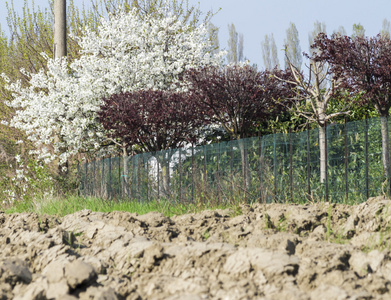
[
  {"x": 206, "y": 234},
  {"x": 282, "y": 224},
  {"x": 329, "y": 229}
]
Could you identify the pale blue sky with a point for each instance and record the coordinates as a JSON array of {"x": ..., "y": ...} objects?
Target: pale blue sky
[{"x": 256, "y": 18}]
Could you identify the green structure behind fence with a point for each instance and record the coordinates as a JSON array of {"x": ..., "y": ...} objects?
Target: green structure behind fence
[{"x": 272, "y": 168}]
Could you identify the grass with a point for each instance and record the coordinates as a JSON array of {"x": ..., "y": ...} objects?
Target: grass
[{"x": 62, "y": 206}]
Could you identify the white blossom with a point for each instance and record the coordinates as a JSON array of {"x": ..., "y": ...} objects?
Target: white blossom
[{"x": 60, "y": 106}]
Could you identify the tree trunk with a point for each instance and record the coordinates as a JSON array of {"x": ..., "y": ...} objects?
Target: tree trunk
[
  {"x": 385, "y": 145},
  {"x": 322, "y": 150},
  {"x": 125, "y": 176},
  {"x": 245, "y": 165},
  {"x": 166, "y": 174},
  {"x": 60, "y": 29},
  {"x": 164, "y": 169}
]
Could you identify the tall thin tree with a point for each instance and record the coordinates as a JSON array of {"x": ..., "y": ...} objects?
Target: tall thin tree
[
  {"x": 273, "y": 49},
  {"x": 213, "y": 33},
  {"x": 269, "y": 53},
  {"x": 266, "y": 55},
  {"x": 293, "y": 49},
  {"x": 318, "y": 28},
  {"x": 235, "y": 45},
  {"x": 341, "y": 31},
  {"x": 358, "y": 31},
  {"x": 385, "y": 31}
]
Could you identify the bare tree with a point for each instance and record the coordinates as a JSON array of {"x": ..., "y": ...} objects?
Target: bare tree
[{"x": 311, "y": 101}]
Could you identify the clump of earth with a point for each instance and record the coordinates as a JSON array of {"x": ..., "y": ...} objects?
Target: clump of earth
[{"x": 270, "y": 251}]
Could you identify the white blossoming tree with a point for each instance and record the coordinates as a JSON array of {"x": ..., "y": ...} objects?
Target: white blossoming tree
[{"x": 127, "y": 53}]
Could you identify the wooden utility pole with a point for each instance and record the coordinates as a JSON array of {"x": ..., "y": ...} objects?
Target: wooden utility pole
[
  {"x": 60, "y": 28},
  {"x": 60, "y": 47}
]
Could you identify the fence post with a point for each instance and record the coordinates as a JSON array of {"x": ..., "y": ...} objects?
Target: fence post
[
  {"x": 109, "y": 187},
  {"x": 327, "y": 163},
  {"x": 218, "y": 173},
  {"x": 308, "y": 163},
  {"x": 139, "y": 190},
  {"x": 260, "y": 167},
  {"x": 158, "y": 179},
  {"x": 366, "y": 158},
  {"x": 388, "y": 158},
  {"x": 275, "y": 165},
  {"x": 80, "y": 182},
  {"x": 180, "y": 174},
  {"x": 245, "y": 163},
  {"x": 146, "y": 175},
  {"x": 346, "y": 162},
  {"x": 102, "y": 181},
  {"x": 129, "y": 176},
  {"x": 192, "y": 173},
  {"x": 94, "y": 179},
  {"x": 232, "y": 166},
  {"x": 86, "y": 179},
  {"x": 291, "y": 162},
  {"x": 119, "y": 178},
  {"x": 205, "y": 172}
]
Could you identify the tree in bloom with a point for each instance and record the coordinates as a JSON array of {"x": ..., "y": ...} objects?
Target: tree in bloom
[
  {"x": 363, "y": 65},
  {"x": 127, "y": 53},
  {"x": 238, "y": 97},
  {"x": 152, "y": 121}
]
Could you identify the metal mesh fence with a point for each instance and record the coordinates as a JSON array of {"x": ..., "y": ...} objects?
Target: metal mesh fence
[{"x": 272, "y": 168}]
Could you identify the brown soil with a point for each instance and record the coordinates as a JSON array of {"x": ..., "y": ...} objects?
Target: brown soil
[{"x": 274, "y": 251}]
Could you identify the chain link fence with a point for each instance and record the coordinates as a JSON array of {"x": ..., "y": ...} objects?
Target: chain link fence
[{"x": 272, "y": 168}]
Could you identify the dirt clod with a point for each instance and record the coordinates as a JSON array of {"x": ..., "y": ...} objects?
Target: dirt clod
[{"x": 270, "y": 251}]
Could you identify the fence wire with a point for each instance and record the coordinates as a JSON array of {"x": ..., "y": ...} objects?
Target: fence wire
[{"x": 272, "y": 168}]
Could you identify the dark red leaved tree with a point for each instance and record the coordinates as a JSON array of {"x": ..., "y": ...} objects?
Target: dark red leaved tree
[
  {"x": 152, "y": 121},
  {"x": 238, "y": 98},
  {"x": 364, "y": 65}
]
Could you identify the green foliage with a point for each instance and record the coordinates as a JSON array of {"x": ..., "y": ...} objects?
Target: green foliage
[
  {"x": 356, "y": 104},
  {"x": 358, "y": 30},
  {"x": 27, "y": 182}
]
